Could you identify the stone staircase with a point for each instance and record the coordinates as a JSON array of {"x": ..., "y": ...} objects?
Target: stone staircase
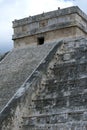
[
  {"x": 17, "y": 66},
  {"x": 60, "y": 103}
]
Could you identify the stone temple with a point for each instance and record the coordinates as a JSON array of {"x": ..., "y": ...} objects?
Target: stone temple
[{"x": 43, "y": 80}]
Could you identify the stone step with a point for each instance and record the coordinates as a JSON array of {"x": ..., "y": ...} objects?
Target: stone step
[
  {"x": 74, "y": 86},
  {"x": 55, "y": 119},
  {"x": 74, "y": 44},
  {"x": 78, "y": 54},
  {"x": 69, "y": 71},
  {"x": 45, "y": 119},
  {"x": 65, "y": 102},
  {"x": 67, "y": 64},
  {"x": 17, "y": 67},
  {"x": 78, "y": 67},
  {"x": 61, "y": 94},
  {"x": 76, "y": 125}
]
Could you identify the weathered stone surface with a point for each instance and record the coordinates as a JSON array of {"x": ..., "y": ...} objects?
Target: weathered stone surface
[
  {"x": 63, "y": 23},
  {"x": 52, "y": 76},
  {"x": 55, "y": 95},
  {"x": 17, "y": 66}
]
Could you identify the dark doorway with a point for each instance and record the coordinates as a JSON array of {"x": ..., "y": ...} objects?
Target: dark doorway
[{"x": 40, "y": 40}]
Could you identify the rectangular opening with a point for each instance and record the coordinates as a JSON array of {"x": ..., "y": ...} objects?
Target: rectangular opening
[{"x": 40, "y": 40}]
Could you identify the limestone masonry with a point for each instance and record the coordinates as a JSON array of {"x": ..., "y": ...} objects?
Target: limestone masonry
[
  {"x": 43, "y": 80},
  {"x": 62, "y": 23}
]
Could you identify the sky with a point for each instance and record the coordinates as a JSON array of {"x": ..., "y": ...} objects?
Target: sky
[{"x": 17, "y": 9}]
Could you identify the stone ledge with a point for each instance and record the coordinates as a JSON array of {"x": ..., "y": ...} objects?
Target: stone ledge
[
  {"x": 51, "y": 28},
  {"x": 49, "y": 15}
]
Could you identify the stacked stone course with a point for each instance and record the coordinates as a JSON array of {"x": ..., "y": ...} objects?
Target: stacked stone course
[{"x": 48, "y": 80}]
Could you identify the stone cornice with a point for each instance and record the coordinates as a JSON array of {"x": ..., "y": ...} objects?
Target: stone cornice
[
  {"x": 51, "y": 28},
  {"x": 49, "y": 15}
]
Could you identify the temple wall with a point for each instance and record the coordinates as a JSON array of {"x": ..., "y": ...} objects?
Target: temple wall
[{"x": 62, "y": 23}]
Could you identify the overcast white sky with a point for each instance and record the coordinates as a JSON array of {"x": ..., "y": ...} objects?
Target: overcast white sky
[{"x": 16, "y": 9}]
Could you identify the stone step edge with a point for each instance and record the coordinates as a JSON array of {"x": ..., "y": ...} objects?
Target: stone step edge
[
  {"x": 68, "y": 64},
  {"x": 59, "y": 113},
  {"x": 63, "y": 124},
  {"x": 6, "y": 111},
  {"x": 67, "y": 81}
]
